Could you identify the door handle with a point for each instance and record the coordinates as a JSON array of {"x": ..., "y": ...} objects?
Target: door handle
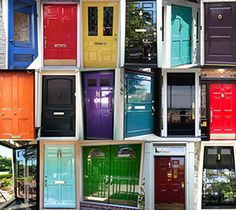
[
  {"x": 153, "y": 110},
  {"x": 106, "y": 182},
  {"x": 193, "y": 111},
  {"x": 11, "y": 41},
  {"x": 182, "y": 185},
  {"x": 45, "y": 181},
  {"x": 111, "y": 181},
  {"x": 211, "y": 116}
]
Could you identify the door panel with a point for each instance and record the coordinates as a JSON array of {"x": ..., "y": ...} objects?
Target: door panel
[
  {"x": 23, "y": 46},
  {"x": 17, "y": 105},
  {"x": 138, "y": 104},
  {"x": 100, "y": 30},
  {"x": 62, "y": 49},
  {"x": 181, "y": 103},
  {"x": 220, "y": 33},
  {"x": 169, "y": 183},
  {"x": 58, "y": 116},
  {"x": 222, "y": 111},
  {"x": 59, "y": 176},
  {"x": 141, "y": 35},
  {"x": 181, "y": 31},
  {"x": 98, "y": 90}
]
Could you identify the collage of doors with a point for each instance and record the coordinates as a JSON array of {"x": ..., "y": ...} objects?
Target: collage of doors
[{"x": 121, "y": 104}]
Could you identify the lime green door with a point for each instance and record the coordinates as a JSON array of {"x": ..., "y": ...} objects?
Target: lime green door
[{"x": 111, "y": 173}]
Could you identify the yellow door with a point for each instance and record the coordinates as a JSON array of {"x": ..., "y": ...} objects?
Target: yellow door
[{"x": 100, "y": 25}]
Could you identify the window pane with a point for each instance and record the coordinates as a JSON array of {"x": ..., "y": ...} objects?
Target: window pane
[
  {"x": 203, "y": 101},
  {"x": 21, "y": 27},
  {"x": 105, "y": 82},
  {"x": 92, "y": 21},
  {"x": 107, "y": 21},
  {"x": 218, "y": 182},
  {"x": 92, "y": 82}
]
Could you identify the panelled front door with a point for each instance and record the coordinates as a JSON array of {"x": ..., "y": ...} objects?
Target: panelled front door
[
  {"x": 181, "y": 31},
  {"x": 100, "y": 31},
  {"x": 98, "y": 96},
  {"x": 59, "y": 176},
  {"x": 223, "y": 111},
  {"x": 58, "y": 115},
  {"x": 23, "y": 46},
  {"x": 141, "y": 34},
  {"x": 169, "y": 183},
  {"x": 60, "y": 34},
  {"x": 17, "y": 105},
  {"x": 220, "y": 33},
  {"x": 111, "y": 173},
  {"x": 139, "y": 104}
]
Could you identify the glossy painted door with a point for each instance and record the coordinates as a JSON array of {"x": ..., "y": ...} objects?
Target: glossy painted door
[
  {"x": 62, "y": 48},
  {"x": 26, "y": 173},
  {"x": 58, "y": 115},
  {"x": 100, "y": 31},
  {"x": 59, "y": 176},
  {"x": 181, "y": 104},
  {"x": 111, "y": 173},
  {"x": 223, "y": 111},
  {"x": 181, "y": 31},
  {"x": 22, "y": 36},
  {"x": 141, "y": 35},
  {"x": 17, "y": 105},
  {"x": 139, "y": 104},
  {"x": 169, "y": 183},
  {"x": 220, "y": 33},
  {"x": 98, "y": 100}
]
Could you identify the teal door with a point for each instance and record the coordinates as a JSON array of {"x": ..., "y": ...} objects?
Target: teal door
[
  {"x": 59, "y": 176},
  {"x": 181, "y": 31},
  {"x": 139, "y": 104}
]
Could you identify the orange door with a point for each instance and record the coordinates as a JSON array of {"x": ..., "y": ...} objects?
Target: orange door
[{"x": 16, "y": 105}]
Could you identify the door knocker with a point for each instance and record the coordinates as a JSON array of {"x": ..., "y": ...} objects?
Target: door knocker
[{"x": 220, "y": 17}]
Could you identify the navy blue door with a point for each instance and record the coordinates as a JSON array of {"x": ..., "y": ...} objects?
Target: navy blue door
[
  {"x": 139, "y": 104},
  {"x": 22, "y": 33}
]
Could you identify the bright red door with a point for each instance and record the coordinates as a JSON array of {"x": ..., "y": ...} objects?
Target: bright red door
[
  {"x": 60, "y": 34},
  {"x": 169, "y": 183},
  {"x": 223, "y": 111}
]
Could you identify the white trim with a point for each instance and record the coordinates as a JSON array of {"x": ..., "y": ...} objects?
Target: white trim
[
  {"x": 122, "y": 30},
  {"x": 5, "y": 10},
  {"x": 159, "y": 32}
]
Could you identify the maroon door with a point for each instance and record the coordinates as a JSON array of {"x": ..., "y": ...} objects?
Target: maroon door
[
  {"x": 169, "y": 183},
  {"x": 98, "y": 96},
  {"x": 220, "y": 33},
  {"x": 223, "y": 111}
]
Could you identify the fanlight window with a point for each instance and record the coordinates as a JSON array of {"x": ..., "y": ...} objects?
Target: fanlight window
[
  {"x": 96, "y": 153},
  {"x": 126, "y": 152}
]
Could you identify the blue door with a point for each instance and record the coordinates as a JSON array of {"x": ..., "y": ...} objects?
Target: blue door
[
  {"x": 22, "y": 33},
  {"x": 59, "y": 176},
  {"x": 139, "y": 104},
  {"x": 181, "y": 30}
]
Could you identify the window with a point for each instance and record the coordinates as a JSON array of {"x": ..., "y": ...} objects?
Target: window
[
  {"x": 218, "y": 181},
  {"x": 107, "y": 21},
  {"x": 92, "y": 21}
]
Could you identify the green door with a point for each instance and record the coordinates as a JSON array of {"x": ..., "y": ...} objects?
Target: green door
[
  {"x": 59, "y": 176},
  {"x": 181, "y": 30},
  {"x": 111, "y": 173}
]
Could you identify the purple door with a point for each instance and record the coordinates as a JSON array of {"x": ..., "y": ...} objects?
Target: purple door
[
  {"x": 98, "y": 96},
  {"x": 220, "y": 33}
]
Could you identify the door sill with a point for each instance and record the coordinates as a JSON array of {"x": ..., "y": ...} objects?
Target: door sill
[
  {"x": 60, "y": 68},
  {"x": 185, "y": 66}
]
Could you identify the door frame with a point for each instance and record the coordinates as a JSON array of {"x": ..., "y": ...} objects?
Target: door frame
[
  {"x": 195, "y": 71},
  {"x": 167, "y": 4},
  {"x": 77, "y": 169},
  {"x": 83, "y": 100}
]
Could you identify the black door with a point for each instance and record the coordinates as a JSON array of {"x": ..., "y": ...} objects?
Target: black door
[
  {"x": 141, "y": 35},
  {"x": 26, "y": 176},
  {"x": 180, "y": 103},
  {"x": 58, "y": 116}
]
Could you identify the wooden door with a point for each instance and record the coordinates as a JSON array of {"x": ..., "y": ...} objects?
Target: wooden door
[
  {"x": 16, "y": 105},
  {"x": 169, "y": 183},
  {"x": 220, "y": 33},
  {"x": 222, "y": 111},
  {"x": 60, "y": 34},
  {"x": 100, "y": 31}
]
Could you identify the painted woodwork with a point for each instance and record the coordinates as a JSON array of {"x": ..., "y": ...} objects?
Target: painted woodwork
[
  {"x": 16, "y": 105},
  {"x": 100, "y": 34},
  {"x": 60, "y": 19},
  {"x": 58, "y": 115}
]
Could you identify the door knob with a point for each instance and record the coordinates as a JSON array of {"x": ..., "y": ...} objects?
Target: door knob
[
  {"x": 3, "y": 113},
  {"x": 193, "y": 111},
  {"x": 182, "y": 185},
  {"x": 11, "y": 41}
]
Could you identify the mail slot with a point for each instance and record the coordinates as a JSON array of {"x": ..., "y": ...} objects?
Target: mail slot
[
  {"x": 139, "y": 107},
  {"x": 100, "y": 43},
  {"x": 140, "y": 30},
  {"x": 58, "y": 113},
  {"x": 60, "y": 45},
  {"x": 59, "y": 182},
  {"x": 15, "y": 137}
]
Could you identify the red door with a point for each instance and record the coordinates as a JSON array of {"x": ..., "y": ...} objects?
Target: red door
[
  {"x": 223, "y": 111},
  {"x": 169, "y": 183},
  {"x": 60, "y": 34},
  {"x": 16, "y": 105}
]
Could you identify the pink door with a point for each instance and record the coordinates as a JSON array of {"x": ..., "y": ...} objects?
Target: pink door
[{"x": 223, "y": 111}]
